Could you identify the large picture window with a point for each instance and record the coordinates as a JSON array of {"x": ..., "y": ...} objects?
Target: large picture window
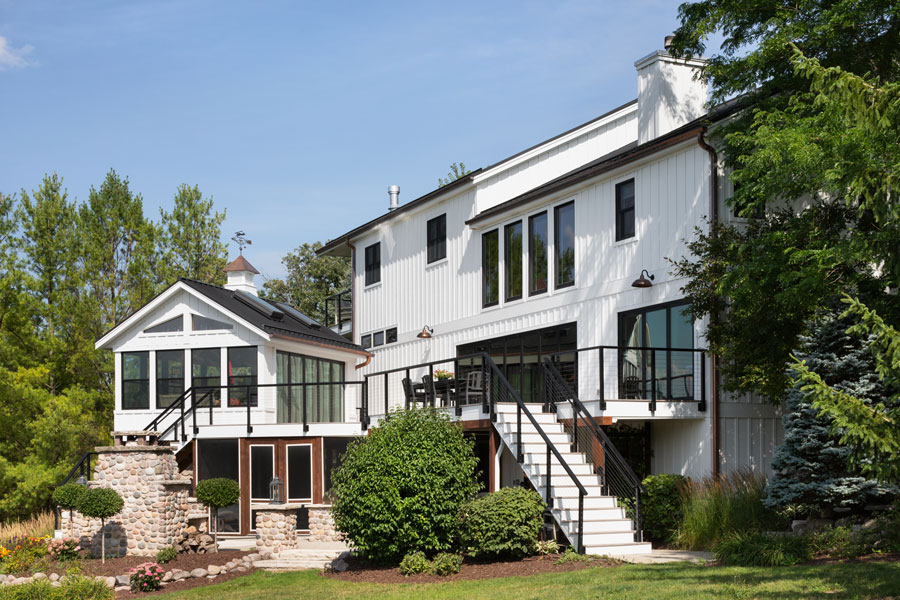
[
  {"x": 512, "y": 244},
  {"x": 322, "y": 403},
  {"x": 657, "y": 349},
  {"x": 262, "y": 470},
  {"x": 241, "y": 373},
  {"x": 436, "y": 229},
  {"x": 206, "y": 375},
  {"x": 490, "y": 268},
  {"x": 169, "y": 377},
  {"x": 564, "y": 244},
  {"x": 625, "y": 210},
  {"x": 373, "y": 263},
  {"x": 135, "y": 380},
  {"x": 299, "y": 472},
  {"x": 537, "y": 254}
]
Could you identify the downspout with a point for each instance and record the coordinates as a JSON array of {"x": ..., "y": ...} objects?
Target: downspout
[{"x": 713, "y": 317}]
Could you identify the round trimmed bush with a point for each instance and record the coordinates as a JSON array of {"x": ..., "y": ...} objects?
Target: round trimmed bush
[
  {"x": 67, "y": 496},
  {"x": 661, "y": 506},
  {"x": 100, "y": 503},
  {"x": 503, "y": 524},
  {"x": 218, "y": 492},
  {"x": 414, "y": 563},
  {"x": 400, "y": 488}
]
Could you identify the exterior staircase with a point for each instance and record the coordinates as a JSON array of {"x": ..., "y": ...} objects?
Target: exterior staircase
[
  {"x": 298, "y": 559},
  {"x": 607, "y": 530}
]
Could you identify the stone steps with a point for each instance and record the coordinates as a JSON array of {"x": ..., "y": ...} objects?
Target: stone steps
[{"x": 299, "y": 559}]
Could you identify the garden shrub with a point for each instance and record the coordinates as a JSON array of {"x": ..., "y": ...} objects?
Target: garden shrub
[
  {"x": 400, "y": 488},
  {"x": 64, "y": 548},
  {"x": 74, "y": 586},
  {"x": 661, "y": 506},
  {"x": 714, "y": 507},
  {"x": 146, "y": 577},
  {"x": 166, "y": 555},
  {"x": 414, "y": 563},
  {"x": 100, "y": 503},
  {"x": 505, "y": 523},
  {"x": 571, "y": 556},
  {"x": 217, "y": 493},
  {"x": 67, "y": 496},
  {"x": 445, "y": 564},
  {"x": 760, "y": 549}
]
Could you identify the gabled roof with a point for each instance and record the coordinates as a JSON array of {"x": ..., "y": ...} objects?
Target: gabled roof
[{"x": 288, "y": 326}]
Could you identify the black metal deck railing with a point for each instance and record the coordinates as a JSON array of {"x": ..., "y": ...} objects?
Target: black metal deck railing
[
  {"x": 339, "y": 310},
  {"x": 616, "y": 476},
  {"x": 654, "y": 374}
]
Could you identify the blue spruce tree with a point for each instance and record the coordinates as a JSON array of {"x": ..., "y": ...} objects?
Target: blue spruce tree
[{"x": 811, "y": 466}]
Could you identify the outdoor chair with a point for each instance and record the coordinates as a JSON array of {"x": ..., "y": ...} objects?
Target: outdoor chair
[
  {"x": 631, "y": 388},
  {"x": 430, "y": 390},
  {"x": 411, "y": 396}
]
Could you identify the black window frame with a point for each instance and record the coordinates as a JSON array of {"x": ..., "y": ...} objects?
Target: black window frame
[
  {"x": 373, "y": 263},
  {"x": 311, "y": 394},
  {"x": 495, "y": 268},
  {"x": 143, "y": 384},
  {"x": 390, "y": 332},
  {"x": 625, "y": 215},
  {"x": 216, "y": 396},
  {"x": 436, "y": 238},
  {"x": 239, "y": 392},
  {"x": 533, "y": 290},
  {"x": 375, "y": 337},
  {"x": 166, "y": 381},
  {"x": 557, "y": 257},
  {"x": 509, "y": 257},
  {"x": 365, "y": 340}
]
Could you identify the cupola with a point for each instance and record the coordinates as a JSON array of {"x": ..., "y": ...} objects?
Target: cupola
[{"x": 240, "y": 275}]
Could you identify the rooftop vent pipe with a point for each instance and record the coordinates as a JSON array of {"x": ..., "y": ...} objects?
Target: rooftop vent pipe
[{"x": 394, "y": 193}]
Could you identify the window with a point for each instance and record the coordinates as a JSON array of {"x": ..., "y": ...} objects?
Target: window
[
  {"x": 668, "y": 328},
  {"x": 490, "y": 268},
  {"x": 373, "y": 263},
  {"x": 206, "y": 375},
  {"x": 262, "y": 470},
  {"x": 366, "y": 341},
  {"x": 169, "y": 377},
  {"x": 537, "y": 254},
  {"x": 242, "y": 372},
  {"x": 564, "y": 244},
  {"x": 625, "y": 210},
  {"x": 172, "y": 325},
  {"x": 378, "y": 338},
  {"x": 321, "y": 403},
  {"x": 512, "y": 253},
  {"x": 199, "y": 323},
  {"x": 135, "y": 380},
  {"x": 333, "y": 450},
  {"x": 390, "y": 336},
  {"x": 437, "y": 238},
  {"x": 299, "y": 472}
]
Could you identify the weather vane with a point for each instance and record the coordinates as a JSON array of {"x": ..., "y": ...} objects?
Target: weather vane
[{"x": 240, "y": 238}]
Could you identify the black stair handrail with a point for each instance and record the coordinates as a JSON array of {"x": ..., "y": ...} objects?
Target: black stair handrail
[
  {"x": 611, "y": 455},
  {"x": 551, "y": 448},
  {"x": 168, "y": 410},
  {"x": 82, "y": 468}
]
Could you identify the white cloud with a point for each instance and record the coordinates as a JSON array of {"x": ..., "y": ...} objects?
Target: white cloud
[{"x": 13, "y": 58}]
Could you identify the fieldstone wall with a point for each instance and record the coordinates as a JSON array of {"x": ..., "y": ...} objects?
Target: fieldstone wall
[
  {"x": 156, "y": 501},
  {"x": 321, "y": 524},
  {"x": 276, "y": 527}
]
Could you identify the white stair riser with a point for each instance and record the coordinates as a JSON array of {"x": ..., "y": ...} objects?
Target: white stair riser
[
  {"x": 603, "y": 514},
  {"x": 571, "y": 503},
  {"x": 559, "y": 439},
  {"x": 614, "y": 551},
  {"x": 608, "y": 539},
  {"x": 603, "y": 526},
  {"x": 535, "y": 467},
  {"x": 557, "y": 480}
]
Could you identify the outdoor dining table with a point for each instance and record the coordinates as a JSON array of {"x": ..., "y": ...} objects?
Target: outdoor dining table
[{"x": 445, "y": 388}]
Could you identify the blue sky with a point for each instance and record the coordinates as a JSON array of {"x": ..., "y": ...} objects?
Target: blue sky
[{"x": 297, "y": 116}]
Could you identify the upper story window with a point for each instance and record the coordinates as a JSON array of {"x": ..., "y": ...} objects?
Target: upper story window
[
  {"x": 169, "y": 377},
  {"x": 625, "y": 210},
  {"x": 373, "y": 263},
  {"x": 437, "y": 238},
  {"x": 512, "y": 259},
  {"x": 206, "y": 375},
  {"x": 564, "y": 244},
  {"x": 170, "y": 326},
  {"x": 135, "y": 380},
  {"x": 537, "y": 254},
  {"x": 199, "y": 323},
  {"x": 490, "y": 268}
]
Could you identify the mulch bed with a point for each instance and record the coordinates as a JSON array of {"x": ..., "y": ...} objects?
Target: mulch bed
[
  {"x": 362, "y": 571},
  {"x": 893, "y": 557}
]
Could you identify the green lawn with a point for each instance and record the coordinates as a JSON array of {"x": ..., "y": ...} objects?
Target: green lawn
[{"x": 645, "y": 582}]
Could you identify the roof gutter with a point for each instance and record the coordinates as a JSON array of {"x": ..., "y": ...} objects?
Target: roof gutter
[{"x": 713, "y": 317}]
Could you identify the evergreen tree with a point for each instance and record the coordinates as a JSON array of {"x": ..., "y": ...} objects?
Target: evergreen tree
[
  {"x": 812, "y": 467},
  {"x": 191, "y": 243}
]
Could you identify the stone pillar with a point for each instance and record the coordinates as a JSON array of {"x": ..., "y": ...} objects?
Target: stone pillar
[
  {"x": 156, "y": 501},
  {"x": 321, "y": 524},
  {"x": 276, "y": 527}
]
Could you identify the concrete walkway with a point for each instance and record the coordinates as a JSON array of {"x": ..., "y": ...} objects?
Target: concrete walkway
[{"x": 661, "y": 555}]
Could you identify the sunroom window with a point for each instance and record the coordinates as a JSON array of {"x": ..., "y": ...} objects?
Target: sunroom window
[{"x": 135, "y": 380}]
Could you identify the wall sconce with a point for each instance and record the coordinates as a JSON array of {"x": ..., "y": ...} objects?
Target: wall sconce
[
  {"x": 643, "y": 282},
  {"x": 276, "y": 490},
  {"x": 426, "y": 332}
]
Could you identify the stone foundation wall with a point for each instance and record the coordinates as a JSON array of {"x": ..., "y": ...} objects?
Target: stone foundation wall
[
  {"x": 156, "y": 502},
  {"x": 321, "y": 524},
  {"x": 276, "y": 527}
]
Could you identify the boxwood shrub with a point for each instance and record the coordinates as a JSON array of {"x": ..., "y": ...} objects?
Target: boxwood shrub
[
  {"x": 400, "y": 488},
  {"x": 661, "y": 506},
  {"x": 502, "y": 524}
]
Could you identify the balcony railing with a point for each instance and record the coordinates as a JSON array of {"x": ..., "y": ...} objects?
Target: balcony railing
[
  {"x": 654, "y": 374},
  {"x": 339, "y": 311}
]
